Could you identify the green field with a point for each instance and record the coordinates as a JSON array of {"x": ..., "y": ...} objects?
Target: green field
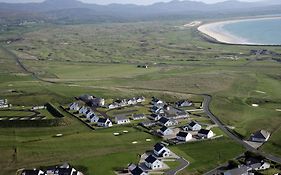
[{"x": 102, "y": 60}]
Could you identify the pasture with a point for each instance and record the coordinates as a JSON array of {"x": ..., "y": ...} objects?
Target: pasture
[{"x": 102, "y": 60}]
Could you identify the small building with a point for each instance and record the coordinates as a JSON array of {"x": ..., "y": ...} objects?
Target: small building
[
  {"x": 140, "y": 99},
  {"x": 205, "y": 133},
  {"x": 89, "y": 113},
  {"x": 166, "y": 131},
  {"x": 153, "y": 163},
  {"x": 183, "y": 103},
  {"x": 257, "y": 164},
  {"x": 161, "y": 151},
  {"x": 86, "y": 98},
  {"x": 74, "y": 106},
  {"x": 181, "y": 115},
  {"x": 83, "y": 110},
  {"x": 260, "y": 136},
  {"x": 32, "y": 172},
  {"x": 120, "y": 120},
  {"x": 4, "y": 103},
  {"x": 156, "y": 109},
  {"x": 104, "y": 122},
  {"x": 98, "y": 102},
  {"x": 157, "y": 102},
  {"x": 138, "y": 116},
  {"x": 38, "y": 108},
  {"x": 184, "y": 136},
  {"x": 147, "y": 123},
  {"x": 94, "y": 118},
  {"x": 113, "y": 106},
  {"x": 194, "y": 126},
  {"x": 156, "y": 117},
  {"x": 136, "y": 170},
  {"x": 132, "y": 101},
  {"x": 167, "y": 122}
]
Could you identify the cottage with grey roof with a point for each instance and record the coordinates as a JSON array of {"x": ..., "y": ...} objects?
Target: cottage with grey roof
[
  {"x": 120, "y": 120},
  {"x": 164, "y": 121},
  {"x": 260, "y": 136},
  {"x": 184, "y": 136},
  {"x": 136, "y": 170},
  {"x": 138, "y": 116},
  {"x": 104, "y": 122},
  {"x": 193, "y": 126},
  {"x": 153, "y": 163},
  {"x": 161, "y": 151},
  {"x": 165, "y": 131},
  {"x": 205, "y": 133}
]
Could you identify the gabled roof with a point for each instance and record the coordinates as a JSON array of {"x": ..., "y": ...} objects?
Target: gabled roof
[
  {"x": 150, "y": 159},
  {"x": 163, "y": 120},
  {"x": 204, "y": 131},
  {"x": 182, "y": 134},
  {"x": 193, "y": 123},
  {"x": 120, "y": 118},
  {"x": 262, "y": 134},
  {"x": 163, "y": 129},
  {"x": 138, "y": 115},
  {"x": 158, "y": 147},
  {"x": 102, "y": 120},
  {"x": 137, "y": 171},
  {"x": 92, "y": 116}
]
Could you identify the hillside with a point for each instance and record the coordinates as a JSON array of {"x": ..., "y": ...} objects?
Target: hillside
[{"x": 73, "y": 11}]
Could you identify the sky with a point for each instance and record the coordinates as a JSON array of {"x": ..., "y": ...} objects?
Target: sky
[{"x": 140, "y": 2}]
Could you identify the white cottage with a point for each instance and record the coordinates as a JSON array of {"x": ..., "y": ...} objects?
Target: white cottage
[
  {"x": 184, "y": 136},
  {"x": 104, "y": 122},
  {"x": 167, "y": 122},
  {"x": 74, "y": 106},
  {"x": 94, "y": 118},
  {"x": 194, "y": 126},
  {"x": 205, "y": 133},
  {"x": 166, "y": 131},
  {"x": 161, "y": 151},
  {"x": 153, "y": 163},
  {"x": 122, "y": 120},
  {"x": 260, "y": 136}
]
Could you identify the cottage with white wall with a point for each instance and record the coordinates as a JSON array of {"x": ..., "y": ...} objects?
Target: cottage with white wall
[
  {"x": 205, "y": 133},
  {"x": 184, "y": 136},
  {"x": 153, "y": 163},
  {"x": 161, "y": 151}
]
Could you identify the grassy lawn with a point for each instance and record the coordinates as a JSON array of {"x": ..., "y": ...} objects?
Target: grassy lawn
[
  {"x": 206, "y": 155},
  {"x": 78, "y": 145}
]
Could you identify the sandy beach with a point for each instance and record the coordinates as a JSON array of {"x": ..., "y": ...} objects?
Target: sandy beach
[{"x": 215, "y": 30}]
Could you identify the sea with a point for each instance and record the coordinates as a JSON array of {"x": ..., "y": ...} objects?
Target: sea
[{"x": 265, "y": 31}]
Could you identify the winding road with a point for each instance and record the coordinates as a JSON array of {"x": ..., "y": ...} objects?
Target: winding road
[
  {"x": 230, "y": 133},
  {"x": 183, "y": 164}
]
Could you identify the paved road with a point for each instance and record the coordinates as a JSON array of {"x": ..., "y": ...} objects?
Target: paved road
[
  {"x": 230, "y": 133},
  {"x": 183, "y": 165}
]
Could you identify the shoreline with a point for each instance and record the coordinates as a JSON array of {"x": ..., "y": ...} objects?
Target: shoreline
[{"x": 215, "y": 31}]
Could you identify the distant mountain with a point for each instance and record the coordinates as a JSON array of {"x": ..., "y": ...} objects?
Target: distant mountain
[{"x": 73, "y": 11}]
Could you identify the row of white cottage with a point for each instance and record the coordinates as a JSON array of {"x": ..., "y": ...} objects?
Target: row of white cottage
[
  {"x": 90, "y": 115},
  {"x": 103, "y": 122},
  {"x": 126, "y": 102}
]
